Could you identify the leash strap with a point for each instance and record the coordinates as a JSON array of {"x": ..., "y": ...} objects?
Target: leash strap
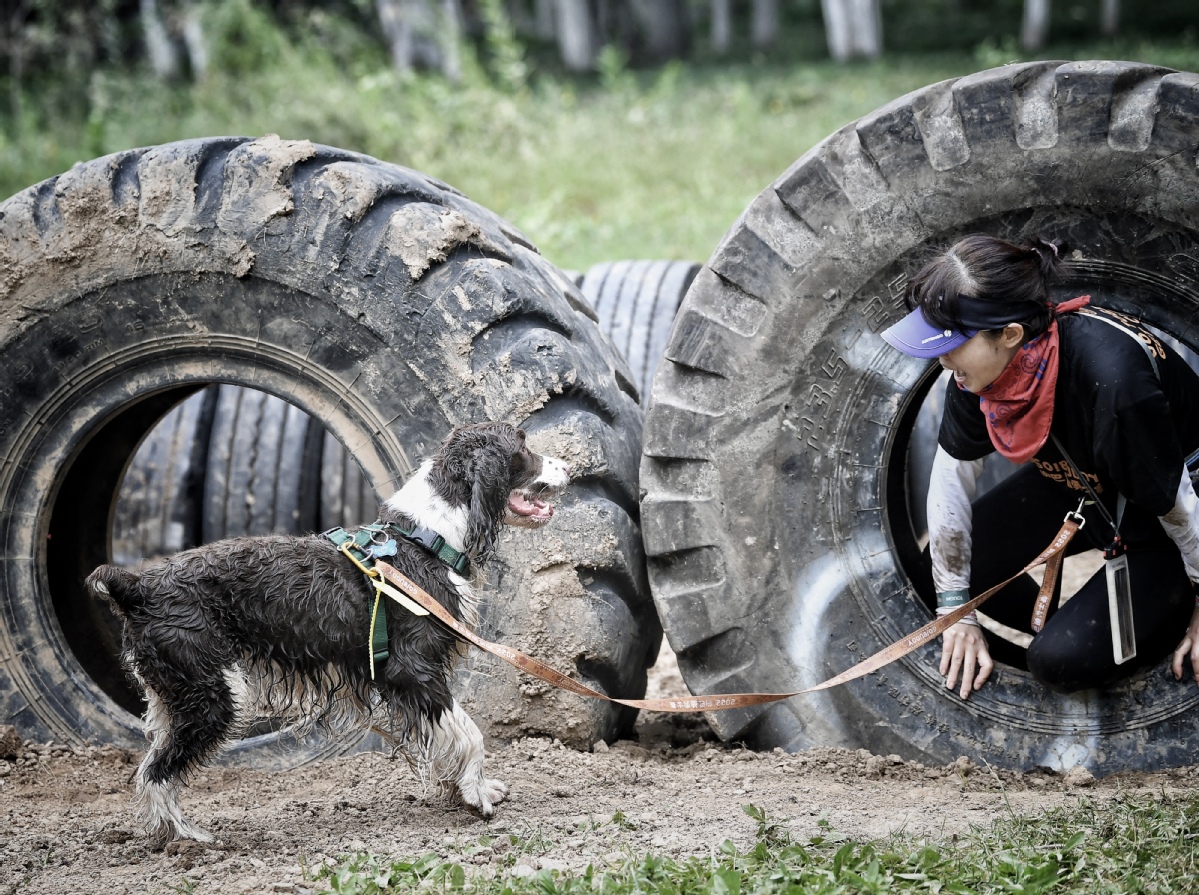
[
  {"x": 1053, "y": 571},
  {"x": 721, "y": 702}
]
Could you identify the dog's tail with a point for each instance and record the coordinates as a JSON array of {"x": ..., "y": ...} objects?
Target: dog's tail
[{"x": 118, "y": 586}]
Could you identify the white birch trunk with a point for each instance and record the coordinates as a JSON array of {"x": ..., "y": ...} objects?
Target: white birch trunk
[
  {"x": 160, "y": 49},
  {"x": 867, "y": 21},
  {"x": 194, "y": 43},
  {"x": 577, "y": 42},
  {"x": 397, "y": 33},
  {"x": 1036, "y": 24},
  {"x": 722, "y": 25}
]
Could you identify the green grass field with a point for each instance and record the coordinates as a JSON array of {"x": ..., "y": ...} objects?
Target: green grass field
[{"x": 627, "y": 165}]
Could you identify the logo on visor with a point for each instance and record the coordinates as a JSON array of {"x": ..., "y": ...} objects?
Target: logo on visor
[{"x": 937, "y": 337}]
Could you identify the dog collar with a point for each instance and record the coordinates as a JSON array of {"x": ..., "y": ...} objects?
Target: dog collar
[{"x": 377, "y": 541}]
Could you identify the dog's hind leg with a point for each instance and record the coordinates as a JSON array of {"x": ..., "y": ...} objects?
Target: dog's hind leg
[
  {"x": 180, "y": 741},
  {"x": 456, "y": 761}
]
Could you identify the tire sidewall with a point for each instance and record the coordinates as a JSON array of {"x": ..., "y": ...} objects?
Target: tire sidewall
[
  {"x": 777, "y": 354},
  {"x": 126, "y": 355}
]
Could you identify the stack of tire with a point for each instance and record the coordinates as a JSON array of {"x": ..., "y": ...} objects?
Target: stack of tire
[
  {"x": 248, "y": 288},
  {"x": 783, "y": 441}
]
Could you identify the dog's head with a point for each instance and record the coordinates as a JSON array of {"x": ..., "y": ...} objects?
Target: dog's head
[{"x": 490, "y": 471}]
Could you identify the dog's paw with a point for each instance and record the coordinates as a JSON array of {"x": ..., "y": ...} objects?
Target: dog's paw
[
  {"x": 484, "y": 795},
  {"x": 496, "y": 790},
  {"x": 172, "y": 838}
]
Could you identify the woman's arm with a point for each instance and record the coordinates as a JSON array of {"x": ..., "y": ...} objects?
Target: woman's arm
[
  {"x": 1182, "y": 525},
  {"x": 950, "y": 491},
  {"x": 951, "y": 488}
]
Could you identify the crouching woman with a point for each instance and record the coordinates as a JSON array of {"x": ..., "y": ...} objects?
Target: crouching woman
[{"x": 1097, "y": 409}]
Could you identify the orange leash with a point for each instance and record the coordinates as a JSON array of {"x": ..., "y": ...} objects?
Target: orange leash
[{"x": 535, "y": 667}]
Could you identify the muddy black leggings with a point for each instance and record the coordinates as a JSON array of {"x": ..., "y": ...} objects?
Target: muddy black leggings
[{"x": 1015, "y": 521}]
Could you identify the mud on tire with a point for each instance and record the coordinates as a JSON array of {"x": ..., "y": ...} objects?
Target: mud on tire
[
  {"x": 377, "y": 300},
  {"x": 776, "y": 526}
]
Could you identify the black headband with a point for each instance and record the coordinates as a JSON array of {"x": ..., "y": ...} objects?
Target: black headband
[{"x": 978, "y": 314}]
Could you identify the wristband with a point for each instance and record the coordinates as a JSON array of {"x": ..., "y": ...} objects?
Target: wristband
[
  {"x": 952, "y": 599},
  {"x": 970, "y": 618}
]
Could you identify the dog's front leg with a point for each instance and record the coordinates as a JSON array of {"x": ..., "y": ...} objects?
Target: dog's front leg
[{"x": 456, "y": 761}]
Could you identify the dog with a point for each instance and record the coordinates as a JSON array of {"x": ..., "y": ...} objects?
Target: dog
[{"x": 224, "y": 634}]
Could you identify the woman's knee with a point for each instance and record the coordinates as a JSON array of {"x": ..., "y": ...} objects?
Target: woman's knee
[{"x": 1068, "y": 661}]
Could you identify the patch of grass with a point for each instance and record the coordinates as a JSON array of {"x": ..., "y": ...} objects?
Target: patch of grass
[{"x": 1125, "y": 845}]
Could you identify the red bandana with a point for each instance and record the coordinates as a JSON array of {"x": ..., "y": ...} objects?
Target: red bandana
[{"x": 1018, "y": 405}]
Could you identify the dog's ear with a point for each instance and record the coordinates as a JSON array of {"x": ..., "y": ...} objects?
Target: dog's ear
[{"x": 489, "y": 476}]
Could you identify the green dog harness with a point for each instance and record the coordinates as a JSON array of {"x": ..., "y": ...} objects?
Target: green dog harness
[{"x": 371, "y": 543}]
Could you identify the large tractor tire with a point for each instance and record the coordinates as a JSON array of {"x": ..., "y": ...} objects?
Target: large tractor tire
[
  {"x": 378, "y": 301},
  {"x": 776, "y": 523}
]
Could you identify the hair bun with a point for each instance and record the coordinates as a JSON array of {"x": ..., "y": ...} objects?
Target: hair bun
[{"x": 1052, "y": 253}]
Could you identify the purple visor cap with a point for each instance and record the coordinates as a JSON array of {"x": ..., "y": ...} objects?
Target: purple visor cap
[{"x": 915, "y": 336}]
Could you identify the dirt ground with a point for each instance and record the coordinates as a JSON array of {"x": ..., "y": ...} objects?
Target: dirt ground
[{"x": 66, "y": 824}]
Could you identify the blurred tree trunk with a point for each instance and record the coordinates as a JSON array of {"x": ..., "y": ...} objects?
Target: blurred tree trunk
[
  {"x": 14, "y": 50},
  {"x": 853, "y": 29},
  {"x": 449, "y": 37},
  {"x": 1110, "y": 18},
  {"x": 191, "y": 30},
  {"x": 423, "y": 34},
  {"x": 722, "y": 25},
  {"x": 578, "y": 42},
  {"x": 764, "y": 24},
  {"x": 543, "y": 19},
  {"x": 1036, "y": 24},
  {"x": 666, "y": 26},
  {"x": 173, "y": 34},
  {"x": 161, "y": 50}
]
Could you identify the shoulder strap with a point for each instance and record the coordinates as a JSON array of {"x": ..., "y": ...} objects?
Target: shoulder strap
[{"x": 1124, "y": 329}]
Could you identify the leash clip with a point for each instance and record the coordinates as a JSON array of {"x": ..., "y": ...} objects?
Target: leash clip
[
  {"x": 1076, "y": 515},
  {"x": 371, "y": 572}
]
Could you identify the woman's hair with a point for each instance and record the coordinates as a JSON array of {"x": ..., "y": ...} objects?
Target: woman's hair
[{"x": 992, "y": 270}]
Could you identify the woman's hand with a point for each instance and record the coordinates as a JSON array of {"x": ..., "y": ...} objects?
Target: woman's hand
[
  {"x": 1188, "y": 647},
  {"x": 964, "y": 650}
]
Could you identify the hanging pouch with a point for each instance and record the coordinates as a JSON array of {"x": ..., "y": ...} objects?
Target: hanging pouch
[
  {"x": 1119, "y": 603},
  {"x": 1115, "y": 563}
]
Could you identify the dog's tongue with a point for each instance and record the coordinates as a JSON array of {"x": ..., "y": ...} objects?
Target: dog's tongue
[{"x": 523, "y": 506}]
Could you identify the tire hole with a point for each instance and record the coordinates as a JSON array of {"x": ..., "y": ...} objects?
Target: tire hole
[{"x": 178, "y": 470}]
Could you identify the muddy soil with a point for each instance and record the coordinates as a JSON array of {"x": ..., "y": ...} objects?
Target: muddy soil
[{"x": 66, "y": 824}]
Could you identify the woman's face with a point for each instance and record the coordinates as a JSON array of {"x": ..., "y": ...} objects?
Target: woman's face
[{"x": 978, "y": 361}]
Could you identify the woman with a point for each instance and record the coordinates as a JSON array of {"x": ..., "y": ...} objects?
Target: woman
[{"x": 1081, "y": 396}]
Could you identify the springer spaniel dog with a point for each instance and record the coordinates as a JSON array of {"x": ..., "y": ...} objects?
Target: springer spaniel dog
[{"x": 224, "y": 634}]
